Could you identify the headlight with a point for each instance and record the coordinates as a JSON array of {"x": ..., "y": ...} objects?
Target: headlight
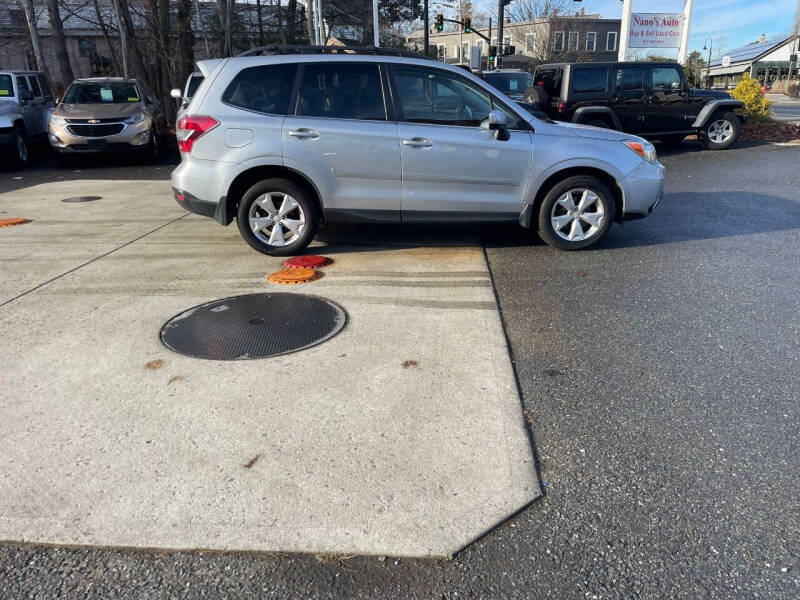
[
  {"x": 57, "y": 120},
  {"x": 643, "y": 149},
  {"x": 137, "y": 118}
]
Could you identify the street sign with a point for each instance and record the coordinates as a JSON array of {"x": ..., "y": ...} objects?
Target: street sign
[
  {"x": 655, "y": 30},
  {"x": 726, "y": 60}
]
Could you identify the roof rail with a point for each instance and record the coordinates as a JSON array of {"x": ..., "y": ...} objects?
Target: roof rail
[{"x": 274, "y": 49}]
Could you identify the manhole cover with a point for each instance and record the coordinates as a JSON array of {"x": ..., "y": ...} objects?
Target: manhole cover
[
  {"x": 253, "y": 326},
  {"x": 82, "y": 199}
]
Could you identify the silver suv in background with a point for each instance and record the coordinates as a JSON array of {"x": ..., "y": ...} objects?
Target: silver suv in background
[
  {"x": 285, "y": 137},
  {"x": 25, "y": 105}
]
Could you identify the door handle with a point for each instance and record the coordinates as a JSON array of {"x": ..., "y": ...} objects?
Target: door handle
[
  {"x": 418, "y": 143},
  {"x": 304, "y": 133}
]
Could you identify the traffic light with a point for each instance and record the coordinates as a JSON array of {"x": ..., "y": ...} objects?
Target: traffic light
[
  {"x": 492, "y": 53},
  {"x": 467, "y": 24},
  {"x": 440, "y": 22}
]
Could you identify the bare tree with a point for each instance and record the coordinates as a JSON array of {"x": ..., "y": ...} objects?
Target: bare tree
[
  {"x": 542, "y": 18},
  {"x": 62, "y": 56},
  {"x": 101, "y": 23},
  {"x": 33, "y": 31}
]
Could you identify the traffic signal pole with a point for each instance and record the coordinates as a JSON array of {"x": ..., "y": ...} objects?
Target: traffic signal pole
[
  {"x": 501, "y": 9},
  {"x": 427, "y": 29}
]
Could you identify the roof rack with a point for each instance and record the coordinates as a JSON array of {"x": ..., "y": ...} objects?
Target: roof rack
[{"x": 274, "y": 49}]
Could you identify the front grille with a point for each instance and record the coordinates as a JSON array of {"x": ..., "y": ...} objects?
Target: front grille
[
  {"x": 94, "y": 121},
  {"x": 95, "y": 130}
]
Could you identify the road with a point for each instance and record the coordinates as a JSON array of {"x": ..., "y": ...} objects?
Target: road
[
  {"x": 660, "y": 375},
  {"x": 784, "y": 108}
]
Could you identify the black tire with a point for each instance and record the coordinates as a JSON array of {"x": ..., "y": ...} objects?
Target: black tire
[
  {"x": 278, "y": 186},
  {"x": 152, "y": 151},
  {"x": 579, "y": 182},
  {"x": 16, "y": 154},
  {"x": 705, "y": 135},
  {"x": 537, "y": 96}
]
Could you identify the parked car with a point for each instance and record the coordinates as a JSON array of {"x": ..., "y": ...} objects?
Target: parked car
[
  {"x": 107, "y": 114},
  {"x": 512, "y": 82},
  {"x": 25, "y": 105},
  {"x": 185, "y": 97},
  {"x": 650, "y": 99},
  {"x": 283, "y": 139}
]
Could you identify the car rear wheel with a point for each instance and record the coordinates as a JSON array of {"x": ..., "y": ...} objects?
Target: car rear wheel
[
  {"x": 576, "y": 213},
  {"x": 277, "y": 217},
  {"x": 721, "y": 132}
]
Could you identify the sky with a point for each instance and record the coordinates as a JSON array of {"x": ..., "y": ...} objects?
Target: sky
[{"x": 730, "y": 23}]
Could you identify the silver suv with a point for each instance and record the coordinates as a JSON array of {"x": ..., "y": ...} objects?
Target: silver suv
[
  {"x": 25, "y": 105},
  {"x": 285, "y": 137}
]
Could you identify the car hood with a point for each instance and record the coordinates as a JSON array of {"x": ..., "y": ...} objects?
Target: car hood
[
  {"x": 97, "y": 111},
  {"x": 8, "y": 106},
  {"x": 596, "y": 133},
  {"x": 705, "y": 93}
]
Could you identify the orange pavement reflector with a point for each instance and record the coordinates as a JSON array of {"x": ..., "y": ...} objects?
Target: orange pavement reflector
[
  {"x": 292, "y": 276},
  {"x": 13, "y": 221}
]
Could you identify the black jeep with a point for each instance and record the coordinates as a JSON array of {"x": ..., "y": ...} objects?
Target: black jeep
[{"x": 650, "y": 99}]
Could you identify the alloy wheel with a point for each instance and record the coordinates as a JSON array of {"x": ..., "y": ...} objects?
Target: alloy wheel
[
  {"x": 276, "y": 219},
  {"x": 720, "y": 131},
  {"x": 577, "y": 215}
]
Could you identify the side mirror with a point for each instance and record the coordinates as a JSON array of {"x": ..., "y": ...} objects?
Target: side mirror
[
  {"x": 176, "y": 93},
  {"x": 26, "y": 95},
  {"x": 498, "y": 123}
]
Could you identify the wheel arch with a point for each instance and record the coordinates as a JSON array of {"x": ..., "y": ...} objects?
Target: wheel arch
[
  {"x": 554, "y": 178},
  {"x": 244, "y": 180},
  {"x": 604, "y": 113}
]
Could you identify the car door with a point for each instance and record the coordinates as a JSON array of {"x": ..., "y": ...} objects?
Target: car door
[
  {"x": 666, "y": 100},
  {"x": 453, "y": 167},
  {"x": 28, "y": 108},
  {"x": 628, "y": 99},
  {"x": 339, "y": 135},
  {"x": 42, "y": 100}
]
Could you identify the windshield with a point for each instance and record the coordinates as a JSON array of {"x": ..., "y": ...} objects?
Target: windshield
[
  {"x": 510, "y": 83},
  {"x": 6, "y": 88},
  {"x": 118, "y": 92}
]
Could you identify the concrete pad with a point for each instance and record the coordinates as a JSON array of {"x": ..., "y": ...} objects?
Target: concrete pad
[{"x": 339, "y": 448}]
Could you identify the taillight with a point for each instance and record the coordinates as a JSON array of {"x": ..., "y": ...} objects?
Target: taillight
[
  {"x": 191, "y": 128},
  {"x": 561, "y": 107}
]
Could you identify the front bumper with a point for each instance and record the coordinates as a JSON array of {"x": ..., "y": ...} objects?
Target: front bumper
[
  {"x": 642, "y": 190},
  {"x": 133, "y": 136}
]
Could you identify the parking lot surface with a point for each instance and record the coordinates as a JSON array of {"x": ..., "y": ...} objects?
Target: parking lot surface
[
  {"x": 660, "y": 374},
  {"x": 403, "y": 435}
]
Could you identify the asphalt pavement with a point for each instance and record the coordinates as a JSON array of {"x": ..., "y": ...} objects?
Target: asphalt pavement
[{"x": 660, "y": 374}]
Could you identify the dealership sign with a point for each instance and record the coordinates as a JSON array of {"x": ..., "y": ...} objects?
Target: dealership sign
[{"x": 655, "y": 30}]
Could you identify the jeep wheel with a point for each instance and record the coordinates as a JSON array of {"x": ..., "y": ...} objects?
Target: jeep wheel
[
  {"x": 721, "y": 132},
  {"x": 576, "y": 213},
  {"x": 277, "y": 217},
  {"x": 16, "y": 152}
]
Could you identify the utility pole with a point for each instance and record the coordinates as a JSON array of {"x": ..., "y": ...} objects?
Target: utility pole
[
  {"x": 501, "y": 8},
  {"x": 375, "y": 32},
  {"x": 708, "y": 64},
  {"x": 427, "y": 26}
]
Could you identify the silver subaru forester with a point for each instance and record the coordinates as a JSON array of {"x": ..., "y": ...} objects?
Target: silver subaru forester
[{"x": 280, "y": 139}]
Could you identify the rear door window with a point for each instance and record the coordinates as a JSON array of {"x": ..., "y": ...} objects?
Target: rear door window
[
  {"x": 22, "y": 83},
  {"x": 629, "y": 79},
  {"x": 265, "y": 89},
  {"x": 342, "y": 91},
  {"x": 665, "y": 79},
  {"x": 589, "y": 80},
  {"x": 550, "y": 80}
]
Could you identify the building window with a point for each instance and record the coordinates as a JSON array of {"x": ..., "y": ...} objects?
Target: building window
[
  {"x": 480, "y": 46},
  {"x": 494, "y": 41},
  {"x": 558, "y": 41},
  {"x": 86, "y": 47},
  {"x": 441, "y": 51},
  {"x": 591, "y": 41},
  {"x": 611, "y": 41},
  {"x": 465, "y": 51},
  {"x": 506, "y": 42},
  {"x": 530, "y": 40},
  {"x": 456, "y": 53},
  {"x": 572, "y": 41}
]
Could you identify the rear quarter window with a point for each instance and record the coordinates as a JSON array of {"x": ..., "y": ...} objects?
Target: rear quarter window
[
  {"x": 550, "y": 80},
  {"x": 589, "y": 80},
  {"x": 265, "y": 89}
]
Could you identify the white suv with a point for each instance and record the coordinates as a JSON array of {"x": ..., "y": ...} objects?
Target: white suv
[{"x": 286, "y": 136}]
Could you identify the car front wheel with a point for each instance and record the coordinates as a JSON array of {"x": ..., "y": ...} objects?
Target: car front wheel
[
  {"x": 576, "y": 213},
  {"x": 16, "y": 153},
  {"x": 721, "y": 132},
  {"x": 277, "y": 217}
]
